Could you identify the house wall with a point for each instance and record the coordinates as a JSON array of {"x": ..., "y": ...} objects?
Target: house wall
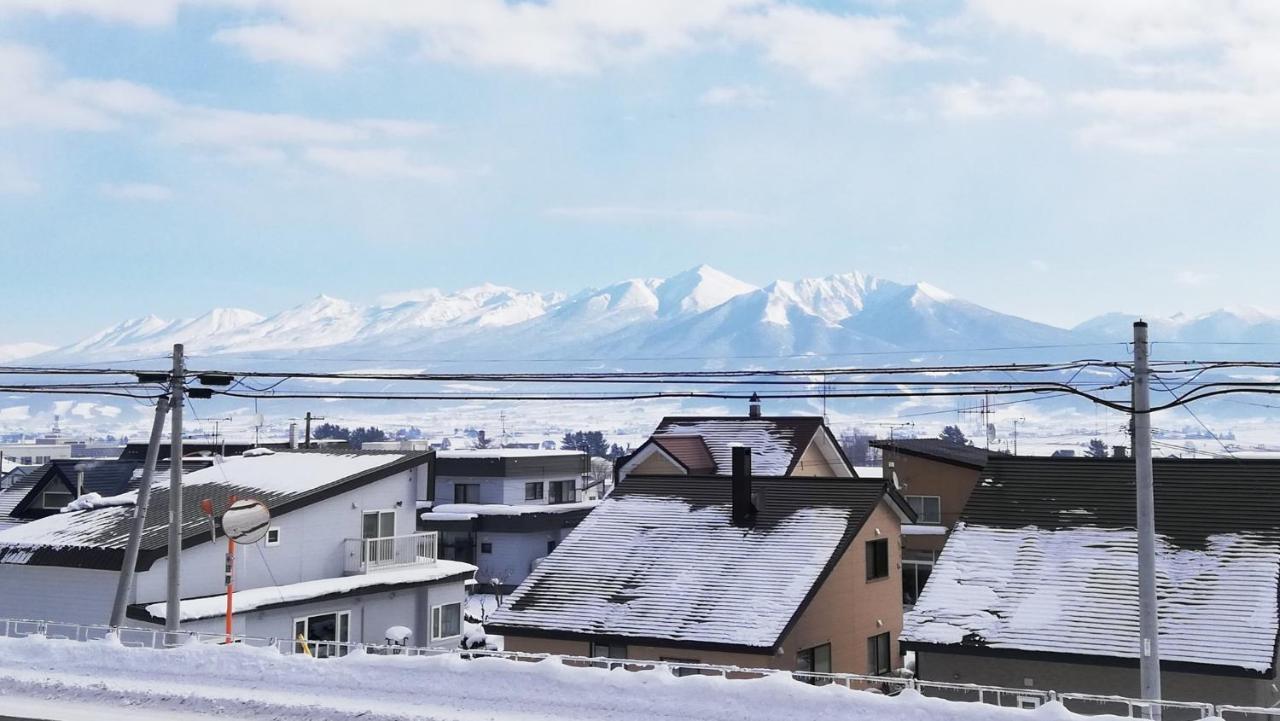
[
  {"x": 846, "y": 611},
  {"x": 371, "y": 616},
  {"x": 923, "y": 477},
  {"x": 1085, "y": 678},
  {"x": 513, "y": 554},
  {"x": 312, "y": 544},
  {"x": 54, "y": 593},
  {"x": 656, "y": 465},
  {"x": 492, "y": 488},
  {"x": 813, "y": 463}
]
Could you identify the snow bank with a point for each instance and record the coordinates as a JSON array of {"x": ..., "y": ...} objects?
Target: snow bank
[
  {"x": 252, "y": 683},
  {"x": 464, "y": 511}
]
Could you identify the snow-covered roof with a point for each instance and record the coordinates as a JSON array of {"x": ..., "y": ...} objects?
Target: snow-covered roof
[
  {"x": 776, "y": 442},
  {"x": 506, "y": 453},
  {"x": 1045, "y": 561},
  {"x": 660, "y": 560},
  {"x": 283, "y": 481},
  {"x": 255, "y": 598}
]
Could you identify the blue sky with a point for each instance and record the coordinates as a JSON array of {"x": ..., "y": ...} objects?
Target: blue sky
[{"x": 1054, "y": 159}]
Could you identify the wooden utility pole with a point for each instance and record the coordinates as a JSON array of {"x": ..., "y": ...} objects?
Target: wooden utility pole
[
  {"x": 127, "y": 568},
  {"x": 307, "y": 435}
]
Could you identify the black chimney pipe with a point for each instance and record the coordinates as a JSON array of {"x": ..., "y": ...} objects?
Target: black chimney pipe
[
  {"x": 753, "y": 407},
  {"x": 744, "y": 511}
]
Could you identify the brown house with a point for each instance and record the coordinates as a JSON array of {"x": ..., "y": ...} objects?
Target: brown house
[
  {"x": 748, "y": 570},
  {"x": 703, "y": 445},
  {"x": 937, "y": 477}
]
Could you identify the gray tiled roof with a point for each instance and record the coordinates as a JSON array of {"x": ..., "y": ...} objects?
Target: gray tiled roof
[
  {"x": 776, "y": 442},
  {"x": 1045, "y": 561}
]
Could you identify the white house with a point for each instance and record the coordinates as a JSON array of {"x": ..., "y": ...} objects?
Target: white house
[{"x": 341, "y": 560}]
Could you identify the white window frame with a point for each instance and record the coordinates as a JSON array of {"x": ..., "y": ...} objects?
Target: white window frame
[
  {"x": 271, "y": 530},
  {"x": 339, "y": 645},
  {"x": 437, "y": 619},
  {"x": 922, "y": 520}
]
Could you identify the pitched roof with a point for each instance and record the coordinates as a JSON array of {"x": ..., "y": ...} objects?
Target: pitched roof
[
  {"x": 284, "y": 481},
  {"x": 776, "y": 442},
  {"x": 937, "y": 449},
  {"x": 690, "y": 450},
  {"x": 1044, "y": 562},
  {"x": 13, "y": 495},
  {"x": 107, "y": 477},
  {"x": 659, "y": 562}
]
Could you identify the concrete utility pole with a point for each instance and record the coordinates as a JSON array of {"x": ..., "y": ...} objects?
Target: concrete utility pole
[
  {"x": 307, "y": 434},
  {"x": 130, "y": 563},
  {"x": 1149, "y": 624},
  {"x": 173, "y": 601}
]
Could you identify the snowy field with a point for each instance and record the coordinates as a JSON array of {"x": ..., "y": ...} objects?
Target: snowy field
[{"x": 68, "y": 680}]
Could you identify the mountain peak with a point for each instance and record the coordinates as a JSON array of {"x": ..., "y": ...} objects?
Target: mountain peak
[{"x": 698, "y": 289}]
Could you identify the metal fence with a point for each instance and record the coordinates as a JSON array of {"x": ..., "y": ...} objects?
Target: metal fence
[
  {"x": 366, "y": 554},
  {"x": 1080, "y": 703}
]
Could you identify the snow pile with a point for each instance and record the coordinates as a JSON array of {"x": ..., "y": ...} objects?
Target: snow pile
[
  {"x": 398, "y": 634},
  {"x": 1074, "y": 591},
  {"x": 91, "y": 501},
  {"x": 923, "y": 529},
  {"x": 456, "y": 511},
  {"x": 255, "y": 452},
  {"x": 253, "y": 598},
  {"x": 253, "y": 683}
]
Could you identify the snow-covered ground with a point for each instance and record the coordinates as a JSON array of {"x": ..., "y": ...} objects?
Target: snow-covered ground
[{"x": 68, "y": 680}]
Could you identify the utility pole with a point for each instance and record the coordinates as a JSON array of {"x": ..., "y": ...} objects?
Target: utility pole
[
  {"x": 307, "y": 434},
  {"x": 130, "y": 563},
  {"x": 173, "y": 600},
  {"x": 1148, "y": 614},
  {"x": 217, "y": 427},
  {"x": 1016, "y": 421}
]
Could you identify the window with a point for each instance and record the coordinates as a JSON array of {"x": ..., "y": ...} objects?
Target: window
[
  {"x": 534, "y": 491},
  {"x": 446, "y": 621},
  {"x": 814, "y": 660},
  {"x": 914, "y": 575},
  {"x": 928, "y": 508},
  {"x": 878, "y": 558},
  {"x": 52, "y": 500},
  {"x": 608, "y": 650},
  {"x": 486, "y": 546},
  {"x": 377, "y": 529},
  {"x": 322, "y": 634},
  {"x": 466, "y": 493},
  {"x": 562, "y": 492},
  {"x": 273, "y": 536},
  {"x": 878, "y": 663},
  {"x": 551, "y": 546}
]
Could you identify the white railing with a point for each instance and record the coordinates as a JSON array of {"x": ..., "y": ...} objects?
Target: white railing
[
  {"x": 1080, "y": 703},
  {"x": 369, "y": 554}
]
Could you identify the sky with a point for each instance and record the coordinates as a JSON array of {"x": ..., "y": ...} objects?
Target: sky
[{"x": 1053, "y": 159}]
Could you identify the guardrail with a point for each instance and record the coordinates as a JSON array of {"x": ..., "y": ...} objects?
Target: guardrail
[
  {"x": 1080, "y": 703},
  {"x": 369, "y": 554}
]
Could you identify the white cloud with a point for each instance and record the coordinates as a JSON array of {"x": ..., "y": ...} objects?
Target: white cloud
[
  {"x": 14, "y": 181},
  {"x": 36, "y": 97},
  {"x": 974, "y": 99},
  {"x": 1038, "y": 265},
  {"x": 1194, "y": 278},
  {"x": 828, "y": 49},
  {"x": 136, "y": 12},
  {"x": 283, "y": 43},
  {"x": 375, "y": 163},
  {"x": 739, "y": 95},
  {"x": 1167, "y": 120},
  {"x": 15, "y": 413},
  {"x": 639, "y": 214},
  {"x": 135, "y": 191}
]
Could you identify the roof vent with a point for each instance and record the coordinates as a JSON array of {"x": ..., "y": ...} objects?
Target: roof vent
[{"x": 753, "y": 410}]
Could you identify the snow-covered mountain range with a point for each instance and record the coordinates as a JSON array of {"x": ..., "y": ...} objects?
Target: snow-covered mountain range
[{"x": 700, "y": 313}]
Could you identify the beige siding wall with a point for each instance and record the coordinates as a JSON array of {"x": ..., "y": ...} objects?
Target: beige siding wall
[
  {"x": 849, "y": 609},
  {"x": 656, "y": 465},
  {"x": 813, "y": 464},
  {"x": 922, "y": 477}
]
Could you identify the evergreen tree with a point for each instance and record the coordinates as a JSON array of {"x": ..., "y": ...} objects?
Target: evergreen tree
[
  {"x": 953, "y": 434},
  {"x": 1097, "y": 448}
]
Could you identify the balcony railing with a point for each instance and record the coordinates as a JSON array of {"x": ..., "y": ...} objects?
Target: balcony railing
[{"x": 370, "y": 554}]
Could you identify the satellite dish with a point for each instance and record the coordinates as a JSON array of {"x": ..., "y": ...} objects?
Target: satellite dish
[{"x": 246, "y": 521}]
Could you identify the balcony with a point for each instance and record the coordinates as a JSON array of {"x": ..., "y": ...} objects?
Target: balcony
[{"x": 363, "y": 555}]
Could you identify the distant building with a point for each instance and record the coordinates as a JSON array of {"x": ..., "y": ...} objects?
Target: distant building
[
  {"x": 340, "y": 560},
  {"x": 1037, "y": 585},
  {"x": 755, "y": 571},
  {"x": 505, "y": 509},
  {"x": 936, "y": 476}
]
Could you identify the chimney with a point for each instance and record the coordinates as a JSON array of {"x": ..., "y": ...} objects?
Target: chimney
[
  {"x": 293, "y": 435},
  {"x": 753, "y": 410},
  {"x": 480, "y": 435},
  {"x": 79, "y": 482},
  {"x": 1119, "y": 452},
  {"x": 744, "y": 511}
]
